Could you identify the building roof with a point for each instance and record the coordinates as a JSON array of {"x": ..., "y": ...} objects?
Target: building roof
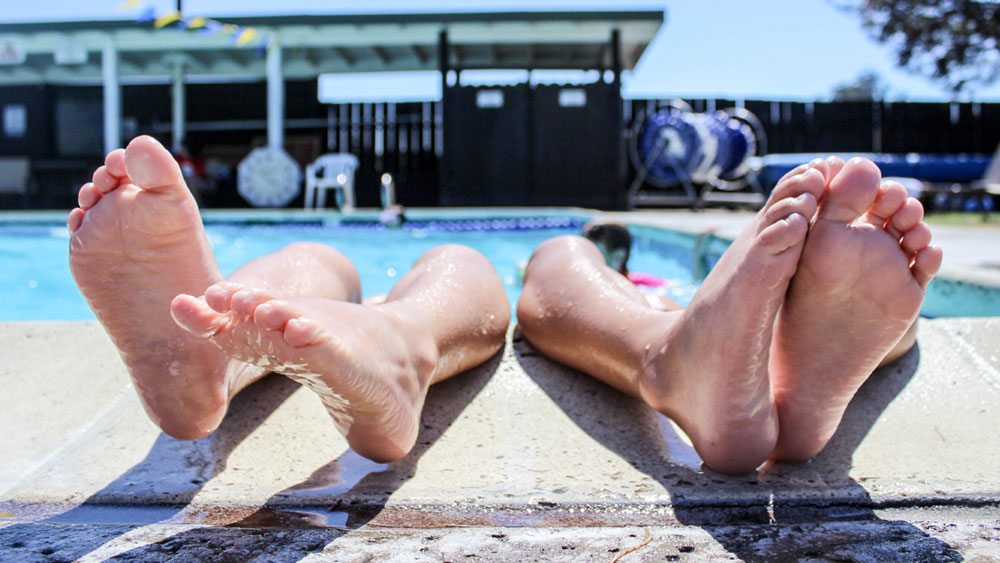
[{"x": 313, "y": 45}]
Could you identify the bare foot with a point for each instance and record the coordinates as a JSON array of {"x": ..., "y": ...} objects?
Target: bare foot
[
  {"x": 370, "y": 367},
  {"x": 709, "y": 372},
  {"x": 858, "y": 289},
  {"x": 137, "y": 241}
]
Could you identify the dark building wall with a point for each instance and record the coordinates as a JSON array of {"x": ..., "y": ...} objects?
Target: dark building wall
[
  {"x": 537, "y": 154},
  {"x": 36, "y": 141}
]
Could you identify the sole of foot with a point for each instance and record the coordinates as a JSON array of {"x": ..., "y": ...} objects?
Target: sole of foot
[
  {"x": 370, "y": 368},
  {"x": 136, "y": 242},
  {"x": 858, "y": 289},
  {"x": 710, "y": 371}
]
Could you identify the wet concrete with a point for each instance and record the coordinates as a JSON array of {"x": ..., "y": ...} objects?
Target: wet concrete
[{"x": 520, "y": 456}]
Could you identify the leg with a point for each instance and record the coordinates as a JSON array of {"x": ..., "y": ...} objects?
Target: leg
[
  {"x": 864, "y": 268},
  {"x": 137, "y": 241},
  {"x": 371, "y": 365},
  {"x": 706, "y": 366}
]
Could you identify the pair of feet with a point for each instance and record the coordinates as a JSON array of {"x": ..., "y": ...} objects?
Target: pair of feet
[
  {"x": 191, "y": 339},
  {"x": 821, "y": 288}
]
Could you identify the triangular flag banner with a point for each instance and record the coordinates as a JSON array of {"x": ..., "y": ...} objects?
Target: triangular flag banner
[
  {"x": 166, "y": 20},
  {"x": 128, "y": 5},
  {"x": 239, "y": 36},
  {"x": 246, "y": 36}
]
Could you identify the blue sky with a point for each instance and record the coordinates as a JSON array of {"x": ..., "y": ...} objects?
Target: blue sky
[{"x": 781, "y": 49}]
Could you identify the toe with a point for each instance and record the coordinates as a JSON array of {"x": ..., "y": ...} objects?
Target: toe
[
  {"x": 273, "y": 314},
  {"x": 219, "y": 295},
  {"x": 817, "y": 163},
  {"x": 811, "y": 180},
  {"x": 195, "y": 316},
  {"x": 908, "y": 216},
  {"x": 834, "y": 165},
  {"x": 115, "y": 163},
  {"x": 246, "y": 300},
  {"x": 301, "y": 332},
  {"x": 75, "y": 219},
  {"x": 916, "y": 239},
  {"x": 784, "y": 234},
  {"x": 804, "y": 204},
  {"x": 926, "y": 264},
  {"x": 852, "y": 192},
  {"x": 104, "y": 181},
  {"x": 891, "y": 197},
  {"x": 88, "y": 196},
  {"x": 150, "y": 165}
]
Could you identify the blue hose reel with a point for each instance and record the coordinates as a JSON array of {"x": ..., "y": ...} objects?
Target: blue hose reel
[{"x": 673, "y": 145}]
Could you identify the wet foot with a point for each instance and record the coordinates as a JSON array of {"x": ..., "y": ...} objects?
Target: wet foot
[
  {"x": 370, "y": 367},
  {"x": 709, "y": 372},
  {"x": 136, "y": 242},
  {"x": 858, "y": 289}
]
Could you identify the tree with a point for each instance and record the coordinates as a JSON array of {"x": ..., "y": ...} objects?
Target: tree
[
  {"x": 866, "y": 87},
  {"x": 954, "y": 41}
]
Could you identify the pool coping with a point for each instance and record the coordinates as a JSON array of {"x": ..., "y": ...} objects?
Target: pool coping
[
  {"x": 910, "y": 476},
  {"x": 519, "y": 448}
]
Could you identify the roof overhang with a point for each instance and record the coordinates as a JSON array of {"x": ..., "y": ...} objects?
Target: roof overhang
[{"x": 314, "y": 45}]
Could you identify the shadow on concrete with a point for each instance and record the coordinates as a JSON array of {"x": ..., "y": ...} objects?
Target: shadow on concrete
[
  {"x": 788, "y": 512},
  {"x": 340, "y": 496},
  {"x": 154, "y": 490}
]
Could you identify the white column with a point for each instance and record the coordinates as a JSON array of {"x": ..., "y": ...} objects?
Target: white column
[
  {"x": 275, "y": 96},
  {"x": 112, "y": 97},
  {"x": 179, "y": 105}
]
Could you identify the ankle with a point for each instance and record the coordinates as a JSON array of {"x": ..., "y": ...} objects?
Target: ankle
[{"x": 421, "y": 347}]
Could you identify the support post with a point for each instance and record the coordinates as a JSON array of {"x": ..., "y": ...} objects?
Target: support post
[
  {"x": 443, "y": 63},
  {"x": 179, "y": 106},
  {"x": 112, "y": 96},
  {"x": 444, "y": 186},
  {"x": 275, "y": 96},
  {"x": 621, "y": 199}
]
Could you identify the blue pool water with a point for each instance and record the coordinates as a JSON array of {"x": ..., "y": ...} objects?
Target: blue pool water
[{"x": 34, "y": 263}]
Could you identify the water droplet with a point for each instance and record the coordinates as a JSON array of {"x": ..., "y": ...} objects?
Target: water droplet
[
  {"x": 391, "y": 272},
  {"x": 32, "y": 284}
]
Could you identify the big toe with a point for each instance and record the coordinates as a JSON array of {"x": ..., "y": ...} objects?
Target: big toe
[
  {"x": 852, "y": 191},
  {"x": 151, "y": 166}
]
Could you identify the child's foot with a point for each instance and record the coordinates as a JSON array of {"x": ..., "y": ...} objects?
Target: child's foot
[
  {"x": 710, "y": 371},
  {"x": 137, "y": 241},
  {"x": 370, "y": 367},
  {"x": 858, "y": 288}
]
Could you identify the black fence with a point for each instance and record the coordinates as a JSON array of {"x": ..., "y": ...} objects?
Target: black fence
[
  {"x": 877, "y": 126},
  {"x": 536, "y": 150}
]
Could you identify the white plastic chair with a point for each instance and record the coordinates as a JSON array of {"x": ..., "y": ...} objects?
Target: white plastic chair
[{"x": 331, "y": 171}]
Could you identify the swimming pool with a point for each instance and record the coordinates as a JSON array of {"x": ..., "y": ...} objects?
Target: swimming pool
[
  {"x": 34, "y": 254},
  {"x": 34, "y": 260}
]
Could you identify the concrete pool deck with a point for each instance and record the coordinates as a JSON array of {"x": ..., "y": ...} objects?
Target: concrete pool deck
[{"x": 519, "y": 459}]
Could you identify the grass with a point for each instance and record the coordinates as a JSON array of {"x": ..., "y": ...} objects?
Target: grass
[{"x": 971, "y": 219}]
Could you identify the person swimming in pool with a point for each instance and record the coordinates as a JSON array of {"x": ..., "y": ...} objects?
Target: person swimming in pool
[
  {"x": 614, "y": 241},
  {"x": 192, "y": 339}
]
